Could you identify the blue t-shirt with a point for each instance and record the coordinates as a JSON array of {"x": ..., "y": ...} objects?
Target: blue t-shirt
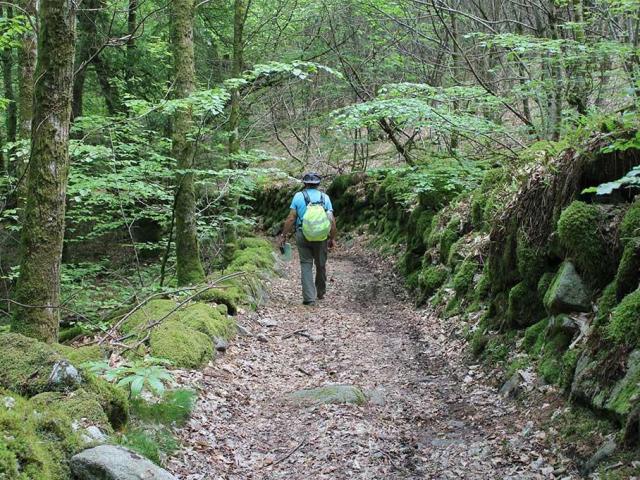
[{"x": 300, "y": 206}]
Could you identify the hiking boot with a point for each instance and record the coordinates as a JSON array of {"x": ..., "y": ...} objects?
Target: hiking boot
[
  {"x": 320, "y": 297},
  {"x": 309, "y": 304}
]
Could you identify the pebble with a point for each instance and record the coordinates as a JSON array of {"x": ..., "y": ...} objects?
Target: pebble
[{"x": 262, "y": 338}]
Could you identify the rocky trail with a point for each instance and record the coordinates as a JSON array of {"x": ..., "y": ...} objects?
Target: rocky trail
[{"x": 430, "y": 413}]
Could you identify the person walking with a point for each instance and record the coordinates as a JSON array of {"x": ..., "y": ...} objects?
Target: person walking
[{"x": 311, "y": 215}]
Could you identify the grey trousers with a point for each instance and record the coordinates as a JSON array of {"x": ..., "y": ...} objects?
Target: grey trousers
[{"x": 310, "y": 253}]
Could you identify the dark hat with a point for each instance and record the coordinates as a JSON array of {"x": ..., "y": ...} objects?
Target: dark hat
[{"x": 311, "y": 178}]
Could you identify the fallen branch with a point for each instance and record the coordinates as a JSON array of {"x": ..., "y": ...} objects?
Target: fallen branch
[{"x": 282, "y": 459}]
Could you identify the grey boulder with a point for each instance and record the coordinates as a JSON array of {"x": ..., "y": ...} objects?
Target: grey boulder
[
  {"x": 567, "y": 292},
  {"x": 111, "y": 462}
]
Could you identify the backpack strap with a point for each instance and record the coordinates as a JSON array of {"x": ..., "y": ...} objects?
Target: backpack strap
[{"x": 307, "y": 198}]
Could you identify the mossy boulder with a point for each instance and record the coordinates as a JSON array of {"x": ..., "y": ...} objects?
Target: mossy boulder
[
  {"x": 154, "y": 310},
  {"x": 463, "y": 278},
  {"x": 79, "y": 355},
  {"x": 530, "y": 261},
  {"x": 80, "y": 406},
  {"x": 628, "y": 274},
  {"x": 524, "y": 307},
  {"x": 183, "y": 346},
  {"x": 114, "y": 400},
  {"x": 208, "y": 320},
  {"x": 626, "y": 392},
  {"x": 330, "y": 394},
  {"x": 34, "y": 444},
  {"x": 580, "y": 237},
  {"x": 567, "y": 292},
  {"x": 606, "y": 303},
  {"x": 630, "y": 225},
  {"x": 29, "y": 367},
  {"x": 624, "y": 327},
  {"x": 229, "y": 294},
  {"x": 431, "y": 278}
]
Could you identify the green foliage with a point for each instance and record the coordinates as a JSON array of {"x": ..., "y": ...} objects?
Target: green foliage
[
  {"x": 630, "y": 225},
  {"x": 153, "y": 442},
  {"x": 463, "y": 278},
  {"x": 579, "y": 235},
  {"x": 624, "y": 327},
  {"x": 431, "y": 278},
  {"x": 172, "y": 409},
  {"x": 148, "y": 374}
]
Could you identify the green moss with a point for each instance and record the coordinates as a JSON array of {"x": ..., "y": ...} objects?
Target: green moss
[
  {"x": 568, "y": 367},
  {"x": 154, "y": 443},
  {"x": 412, "y": 280},
  {"x": 208, "y": 320},
  {"x": 453, "y": 307},
  {"x": 524, "y": 308},
  {"x": 496, "y": 349},
  {"x": 174, "y": 408},
  {"x": 521, "y": 362},
  {"x": 606, "y": 303},
  {"x": 432, "y": 278},
  {"x": 67, "y": 334},
  {"x": 630, "y": 225},
  {"x": 624, "y": 327},
  {"x": 183, "y": 346},
  {"x": 544, "y": 283},
  {"x": 253, "y": 259},
  {"x": 448, "y": 236},
  {"x": 152, "y": 311},
  {"x": 26, "y": 363},
  {"x": 579, "y": 236},
  {"x": 78, "y": 405},
  {"x": 79, "y": 355},
  {"x": 228, "y": 294},
  {"x": 626, "y": 392},
  {"x": 113, "y": 400},
  {"x": 34, "y": 445},
  {"x": 551, "y": 361},
  {"x": 534, "y": 337},
  {"x": 530, "y": 261},
  {"x": 255, "y": 242},
  {"x": 628, "y": 274},
  {"x": 463, "y": 278},
  {"x": 478, "y": 342}
]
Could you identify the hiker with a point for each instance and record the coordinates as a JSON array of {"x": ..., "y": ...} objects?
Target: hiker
[{"x": 312, "y": 216}]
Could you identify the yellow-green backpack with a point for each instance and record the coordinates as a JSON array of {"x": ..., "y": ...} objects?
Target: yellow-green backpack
[{"x": 315, "y": 222}]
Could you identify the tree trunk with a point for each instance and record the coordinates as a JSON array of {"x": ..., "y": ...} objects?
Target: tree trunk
[
  {"x": 239, "y": 17},
  {"x": 190, "y": 269},
  {"x": 7, "y": 73},
  {"x": 27, "y": 62},
  {"x": 38, "y": 288},
  {"x": 131, "y": 42}
]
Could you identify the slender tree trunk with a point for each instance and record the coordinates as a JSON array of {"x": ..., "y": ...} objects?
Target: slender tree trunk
[
  {"x": 132, "y": 23},
  {"x": 239, "y": 17},
  {"x": 38, "y": 288},
  {"x": 190, "y": 269},
  {"x": 7, "y": 73},
  {"x": 27, "y": 63}
]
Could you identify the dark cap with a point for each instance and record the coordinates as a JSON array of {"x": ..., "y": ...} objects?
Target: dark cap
[{"x": 311, "y": 178}]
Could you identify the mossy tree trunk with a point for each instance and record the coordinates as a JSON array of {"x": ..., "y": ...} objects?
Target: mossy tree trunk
[
  {"x": 190, "y": 269},
  {"x": 38, "y": 288},
  {"x": 7, "y": 73},
  {"x": 239, "y": 19},
  {"x": 27, "y": 62}
]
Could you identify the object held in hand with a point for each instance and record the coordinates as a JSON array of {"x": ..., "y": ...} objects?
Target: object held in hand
[{"x": 285, "y": 250}]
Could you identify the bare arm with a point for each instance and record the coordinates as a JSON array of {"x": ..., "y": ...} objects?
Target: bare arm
[
  {"x": 288, "y": 225},
  {"x": 334, "y": 228}
]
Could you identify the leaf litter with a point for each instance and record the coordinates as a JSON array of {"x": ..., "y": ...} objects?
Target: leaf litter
[{"x": 435, "y": 415}]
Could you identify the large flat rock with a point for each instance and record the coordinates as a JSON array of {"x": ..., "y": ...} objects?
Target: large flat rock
[{"x": 111, "y": 462}]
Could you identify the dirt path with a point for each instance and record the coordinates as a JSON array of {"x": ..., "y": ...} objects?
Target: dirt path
[{"x": 440, "y": 419}]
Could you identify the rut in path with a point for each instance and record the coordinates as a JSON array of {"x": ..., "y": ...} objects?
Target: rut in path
[{"x": 440, "y": 419}]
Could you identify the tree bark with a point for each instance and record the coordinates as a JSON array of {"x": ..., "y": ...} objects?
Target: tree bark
[
  {"x": 38, "y": 287},
  {"x": 7, "y": 73},
  {"x": 239, "y": 17},
  {"x": 190, "y": 269}
]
